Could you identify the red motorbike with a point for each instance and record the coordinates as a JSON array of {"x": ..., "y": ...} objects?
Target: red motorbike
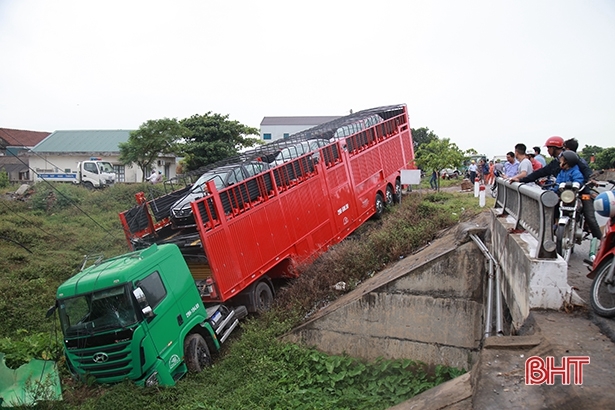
[{"x": 602, "y": 293}]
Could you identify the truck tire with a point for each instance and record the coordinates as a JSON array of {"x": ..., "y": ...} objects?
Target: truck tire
[
  {"x": 88, "y": 185},
  {"x": 263, "y": 297},
  {"x": 196, "y": 353},
  {"x": 397, "y": 192},
  {"x": 379, "y": 203},
  {"x": 389, "y": 195}
]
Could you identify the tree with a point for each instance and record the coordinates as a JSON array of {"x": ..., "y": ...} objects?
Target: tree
[
  {"x": 422, "y": 136},
  {"x": 438, "y": 154},
  {"x": 153, "y": 138},
  {"x": 606, "y": 159},
  {"x": 214, "y": 137}
]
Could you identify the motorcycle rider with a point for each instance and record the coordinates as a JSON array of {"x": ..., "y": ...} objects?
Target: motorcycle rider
[
  {"x": 555, "y": 147},
  {"x": 569, "y": 170},
  {"x": 571, "y": 145}
]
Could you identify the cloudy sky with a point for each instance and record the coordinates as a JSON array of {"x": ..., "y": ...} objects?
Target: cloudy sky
[{"x": 485, "y": 73}]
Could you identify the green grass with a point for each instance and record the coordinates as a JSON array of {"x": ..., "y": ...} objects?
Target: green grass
[{"x": 43, "y": 243}]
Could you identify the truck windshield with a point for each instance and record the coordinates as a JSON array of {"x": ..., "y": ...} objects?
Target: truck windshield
[
  {"x": 106, "y": 167},
  {"x": 96, "y": 312}
]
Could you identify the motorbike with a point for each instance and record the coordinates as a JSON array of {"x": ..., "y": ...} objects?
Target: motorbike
[
  {"x": 570, "y": 225},
  {"x": 602, "y": 292}
]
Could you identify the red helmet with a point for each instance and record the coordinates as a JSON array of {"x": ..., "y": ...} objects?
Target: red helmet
[{"x": 555, "y": 142}]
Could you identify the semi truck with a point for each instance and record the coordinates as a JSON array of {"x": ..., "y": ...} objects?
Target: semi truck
[
  {"x": 93, "y": 173},
  {"x": 159, "y": 311}
]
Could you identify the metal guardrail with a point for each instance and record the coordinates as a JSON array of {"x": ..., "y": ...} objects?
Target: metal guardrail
[{"x": 533, "y": 210}]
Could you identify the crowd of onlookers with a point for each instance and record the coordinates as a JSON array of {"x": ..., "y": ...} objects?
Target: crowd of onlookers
[{"x": 529, "y": 165}]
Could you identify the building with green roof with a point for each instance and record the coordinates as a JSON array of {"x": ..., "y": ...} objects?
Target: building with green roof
[{"x": 62, "y": 150}]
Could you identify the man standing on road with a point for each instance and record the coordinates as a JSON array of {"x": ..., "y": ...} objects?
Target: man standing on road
[
  {"x": 511, "y": 166},
  {"x": 538, "y": 157},
  {"x": 472, "y": 170},
  {"x": 525, "y": 166}
]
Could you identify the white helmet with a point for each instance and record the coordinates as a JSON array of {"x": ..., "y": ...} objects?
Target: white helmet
[{"x": 604, "y": 204}]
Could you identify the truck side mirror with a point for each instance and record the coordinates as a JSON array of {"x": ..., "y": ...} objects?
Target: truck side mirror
[
  {"x": 142, "y": 300},
  {"x": 51, "y": 311}
]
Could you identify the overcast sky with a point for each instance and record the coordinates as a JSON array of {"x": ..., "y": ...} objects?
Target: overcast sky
[{"x": 486, "y": 74}]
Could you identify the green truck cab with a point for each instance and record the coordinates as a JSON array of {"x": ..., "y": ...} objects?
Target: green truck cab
[{"x": 139, "y": 316}]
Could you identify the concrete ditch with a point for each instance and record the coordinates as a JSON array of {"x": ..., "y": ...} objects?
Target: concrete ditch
[{"x": 427, "y": 307}]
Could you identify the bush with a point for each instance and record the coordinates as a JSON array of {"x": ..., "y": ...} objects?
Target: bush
[
  {"x": 52, "y": 197},
  {"x": 4, "y": 179}
]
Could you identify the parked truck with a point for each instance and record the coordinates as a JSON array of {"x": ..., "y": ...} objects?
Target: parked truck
[
  {"x": 93, "y": 173},
  {"x": 155, "y": 313}
]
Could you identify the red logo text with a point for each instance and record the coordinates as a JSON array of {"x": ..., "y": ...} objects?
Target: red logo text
[{"x": 539, "y": 371}]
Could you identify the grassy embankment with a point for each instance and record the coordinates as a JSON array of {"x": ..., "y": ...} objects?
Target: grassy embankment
[{"x": 43, "y": 240}]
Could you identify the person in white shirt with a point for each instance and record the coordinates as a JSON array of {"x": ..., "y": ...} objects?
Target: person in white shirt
[
  {"x": 472, "y": 170},
  {"x": 525, "y": 166},
  {"x": 152, "y": 178}
]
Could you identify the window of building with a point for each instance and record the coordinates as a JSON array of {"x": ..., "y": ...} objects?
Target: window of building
[
  {"x": 286, "y": 135},
  {"x": 267, "y": 136},
  {"x": 120, "y": 172}
]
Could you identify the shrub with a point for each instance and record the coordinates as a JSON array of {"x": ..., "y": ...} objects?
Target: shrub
[{"x": 4, "y": 179}]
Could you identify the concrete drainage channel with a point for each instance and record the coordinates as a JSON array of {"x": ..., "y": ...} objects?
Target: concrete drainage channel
[{"x": 428, "y": 307}]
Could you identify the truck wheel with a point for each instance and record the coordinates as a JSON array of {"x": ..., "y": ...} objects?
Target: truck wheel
[
  {"x": 397, "y": 194},
  {"x": 88, "y": 185},
  {"x": 262, "y": 297},
  {"x": 379, "y": 203},
  {"x": 196, "y": 353},
  {"x": 389, "y": 195}
]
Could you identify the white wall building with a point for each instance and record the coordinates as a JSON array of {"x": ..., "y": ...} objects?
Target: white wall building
[
  {"x": 62, "y": 150},
  {"x": 275, "y": 128}
]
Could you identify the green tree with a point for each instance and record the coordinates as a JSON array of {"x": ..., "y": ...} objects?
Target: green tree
[
  {"x": 422, "y": 136},
  {"x": 214, "y": 137},
  {"x": 153, "y": 138},
  {"x": 606, "y": 159},
  {"x": 588, "y": 152},
  {"x": 438, "y": 154}
]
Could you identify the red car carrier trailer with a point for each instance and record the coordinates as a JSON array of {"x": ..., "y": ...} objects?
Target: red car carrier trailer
[{"x": 252, "y": 232}]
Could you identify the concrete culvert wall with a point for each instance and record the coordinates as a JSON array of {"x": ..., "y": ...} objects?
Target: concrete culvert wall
[{"x": 427, "y": 307}]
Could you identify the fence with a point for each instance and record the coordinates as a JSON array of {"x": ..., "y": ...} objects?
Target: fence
[{"x": 533, "y": 210}]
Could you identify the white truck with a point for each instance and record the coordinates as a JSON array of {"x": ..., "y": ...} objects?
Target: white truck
[{"x": 93, "y": 173}]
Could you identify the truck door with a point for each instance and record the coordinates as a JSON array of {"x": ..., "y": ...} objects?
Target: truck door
[
  {"x": 165, "y": 326},
  {"x": 89, "y": 173}
]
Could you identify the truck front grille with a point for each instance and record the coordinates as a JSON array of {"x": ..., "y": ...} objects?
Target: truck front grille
[{"x": 102, "y": 360}]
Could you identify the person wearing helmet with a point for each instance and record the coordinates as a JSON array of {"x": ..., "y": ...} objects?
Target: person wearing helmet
[
  {"x": 569, "y": 169},
  {"x": 555, "y": 147},
  {"x": 571, "y": 145}
]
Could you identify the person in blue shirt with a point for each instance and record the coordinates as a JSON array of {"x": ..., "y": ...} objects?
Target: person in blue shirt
[{"x": 569, "y": 170}]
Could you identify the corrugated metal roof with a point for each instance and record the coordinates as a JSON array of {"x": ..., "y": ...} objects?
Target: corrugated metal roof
[
  {"x": 83, "y": 141},
  {"x": 297, "y": 120},
  {"x": 21, "y": 138}
]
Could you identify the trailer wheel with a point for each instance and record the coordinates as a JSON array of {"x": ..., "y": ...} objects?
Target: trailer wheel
[
  {"x": 389, "y": 195},
  {"x": 196, "y": 353},
  {"x": 263, "y": 297},
  {"x": 397, "y": 194},
  {"x": 379, "y": 203}
]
